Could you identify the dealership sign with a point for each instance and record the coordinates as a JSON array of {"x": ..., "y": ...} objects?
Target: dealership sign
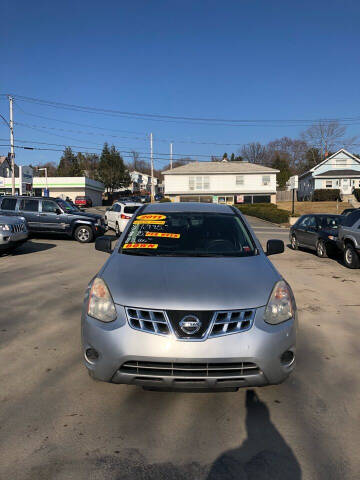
[{"x": 26, "y": 179}]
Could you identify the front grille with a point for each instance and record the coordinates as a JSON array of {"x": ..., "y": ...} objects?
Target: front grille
[
  {"x": 189, "y": 370},
  {"x": 151, "y": 321},
  {"x": 213, "y": 324},
  {"x": 18, "y": 227},
  {"x": 232, "y": 322},
  {"x": 175, "y": 317}
]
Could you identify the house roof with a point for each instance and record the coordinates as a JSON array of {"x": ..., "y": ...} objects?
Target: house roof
[
  {"x": 219, "y": 167},
  {"x": 339, "y": 173},
  {"x": 342, "y": 150}
]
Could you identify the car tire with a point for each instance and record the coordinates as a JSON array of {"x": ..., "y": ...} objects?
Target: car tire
[
  {"x": 117, "y": 230},
  {"x": 83, "y": 234},
  {"x": 321, "y": 250},
  {"x": 351, "y": 258},
  {"x": 294, "y": 243}
]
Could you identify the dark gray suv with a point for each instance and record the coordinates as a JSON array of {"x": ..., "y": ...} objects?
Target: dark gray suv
[{"x": 53, "y": 215}]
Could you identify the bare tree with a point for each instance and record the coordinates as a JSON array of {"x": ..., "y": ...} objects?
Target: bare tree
[
  {"x": 293, "y": 150},
  {"x": 326, "y": 136},
  {"x": 254, "y": 153}
]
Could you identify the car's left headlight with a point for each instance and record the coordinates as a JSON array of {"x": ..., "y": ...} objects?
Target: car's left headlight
[
  {"x": 101, "y": 305},
  {"x": 4, "y": 226},
  {"x": 281, "y": 305}
]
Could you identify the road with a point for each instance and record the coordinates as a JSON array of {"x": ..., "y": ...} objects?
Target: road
[{"x": 56, "y": 423}]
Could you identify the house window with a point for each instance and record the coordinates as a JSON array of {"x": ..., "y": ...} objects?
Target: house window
[
  {"x": 199, "y": 183},
  {"x": 328, "y": 184},
  {"x": 239, "y": 179},
  {"x": 266, "y": 180}
]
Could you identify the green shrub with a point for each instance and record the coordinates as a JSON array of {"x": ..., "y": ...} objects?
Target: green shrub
[
  {"x": 165, "y": 199},
  {"x": 326, "y": 195},
  {"x": 265, "y": 211},
  {"x": 357, "y": 194}
]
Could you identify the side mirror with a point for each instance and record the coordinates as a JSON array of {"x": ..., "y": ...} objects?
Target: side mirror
[
  {"x": 103, "y": 244},
  {"x": 274, "y": 246},
  {"x": 58, "y": 211}
]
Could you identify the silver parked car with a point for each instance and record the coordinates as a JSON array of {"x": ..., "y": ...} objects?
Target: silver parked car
[
  {"x": 13, "y": 232},
  {"x": 189, "y": 300}
]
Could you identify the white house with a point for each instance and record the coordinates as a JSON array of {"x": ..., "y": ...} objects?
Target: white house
[
  {"x": 141, "y": 181},
  {"x": 221, "y": 182},
  {"x": 340, "y": 171}
]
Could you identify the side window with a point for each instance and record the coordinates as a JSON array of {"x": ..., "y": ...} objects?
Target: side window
[
  {"x": 352, "y": 218},
  {"x": 49, "y": 207},
  {"x": 312, "y": 222},
  {"x": 8, "y": 204},
  {"x": 29, "y": 205},
  {"x": 304, "y": 222}
]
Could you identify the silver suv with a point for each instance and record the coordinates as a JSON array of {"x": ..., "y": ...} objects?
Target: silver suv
[
  {"x": 13, "y": 232},
  {"x": 349, "y": 239},
  {"x": 189, "y": 300}
]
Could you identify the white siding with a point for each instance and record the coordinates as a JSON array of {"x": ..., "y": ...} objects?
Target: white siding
[{"x": 225, "y": 183}]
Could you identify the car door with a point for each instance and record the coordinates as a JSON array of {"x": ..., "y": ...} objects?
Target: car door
[
  {"x": 29, "y": 208},
  {"x": 300, "y": 229},
  {"x": 52, "y": 218},
  {"x": 310, "y": 232},
  {"x": 111, "y": 216}
]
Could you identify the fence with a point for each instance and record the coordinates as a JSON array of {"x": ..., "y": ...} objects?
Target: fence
[{"x": 285, "y": 195}]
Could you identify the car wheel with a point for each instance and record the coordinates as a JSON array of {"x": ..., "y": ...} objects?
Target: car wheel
[
  {"x": 351, "y": 258},
  {"x": 117, "y": 230},
  {"x": 294, "y": 243},
  {"x": 321, "y": 249},
  {"x": 83, "y": 234}
]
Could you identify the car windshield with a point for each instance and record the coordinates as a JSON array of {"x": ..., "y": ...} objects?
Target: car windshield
[
  {"x": 188, "y": 234},
  {"x": 66, "y": 206}
]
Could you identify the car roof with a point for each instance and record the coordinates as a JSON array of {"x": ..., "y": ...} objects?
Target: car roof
[
  {"x": 321, "y": 215},
  {"x": 131, "y": 204},
  {"x": 197, "y": 207},
  {"x": 30, "y": 197}
]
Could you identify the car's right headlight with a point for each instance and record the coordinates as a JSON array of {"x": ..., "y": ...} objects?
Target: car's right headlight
[
  {"x": 281, "y": 305},
  {"x": 4, "y": 226},
  {"x": 101, "y": 305}
]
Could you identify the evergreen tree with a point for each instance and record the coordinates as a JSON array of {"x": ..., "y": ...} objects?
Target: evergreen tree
[
  {"x": 282, "y": 164},
  {"x": 69, "y": 165},
  {"x": 112, "y": 170}
]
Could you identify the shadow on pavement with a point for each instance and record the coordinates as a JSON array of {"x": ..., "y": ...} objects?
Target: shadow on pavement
[
  {"x": 264, "y": 455},
  {"x": 30, "y": 247}
]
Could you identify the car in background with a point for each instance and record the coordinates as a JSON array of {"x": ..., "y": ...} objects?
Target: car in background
[
  {"x": 317, "y": 232},
  {"x": 158, "y": 197},
  {"x": 13, "y": 232},
  {"x": 83, "y": 201},
  {"x": 53, "y": 215},
  {"x": 119, "y": 214},
  {"x": 189, "y": 300},
  {"x": 349, "y": 239},
  {"x": 145, "y": 198}
]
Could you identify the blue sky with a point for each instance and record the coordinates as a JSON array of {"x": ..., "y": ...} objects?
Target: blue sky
[{"x": 252, "y": 59}]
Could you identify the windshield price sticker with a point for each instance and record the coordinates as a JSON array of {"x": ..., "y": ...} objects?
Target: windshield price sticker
[
  {"x": 162, "y": 234},
  {"x": 151, "y": 217},
  {"x": 140, "y": 245},
  {"x": 149, "y": 222}
]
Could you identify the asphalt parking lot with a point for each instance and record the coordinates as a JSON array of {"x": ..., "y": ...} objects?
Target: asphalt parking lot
[{"x": 56, "y": 423}]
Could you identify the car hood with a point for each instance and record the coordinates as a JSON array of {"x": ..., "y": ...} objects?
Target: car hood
[
  {"x": 11, "y": 220},
  {"x": 180, "y": 283},
  {"x": 93, "y": 216}
]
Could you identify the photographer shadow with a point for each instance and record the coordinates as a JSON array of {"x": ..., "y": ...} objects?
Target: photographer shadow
[{"x": 264, "y": 455}]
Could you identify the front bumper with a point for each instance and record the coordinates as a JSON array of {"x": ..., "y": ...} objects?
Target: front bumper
[
  {"x": 8, "y": 239},
  {"x": 117, "y": 343},
  {"x": 99, "y": 230}
]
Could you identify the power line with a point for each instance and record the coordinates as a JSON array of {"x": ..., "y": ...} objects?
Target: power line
[{"x": 176, "y": 118}]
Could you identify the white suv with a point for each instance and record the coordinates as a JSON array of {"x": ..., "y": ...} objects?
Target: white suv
[{"x": 119, "y": 214}]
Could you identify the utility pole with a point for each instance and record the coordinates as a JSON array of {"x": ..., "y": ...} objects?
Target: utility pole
[
  {"x": 12, "y": 146},
  {"x": 171, "y": 152},
  {"x": 152, "y": 167}
]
